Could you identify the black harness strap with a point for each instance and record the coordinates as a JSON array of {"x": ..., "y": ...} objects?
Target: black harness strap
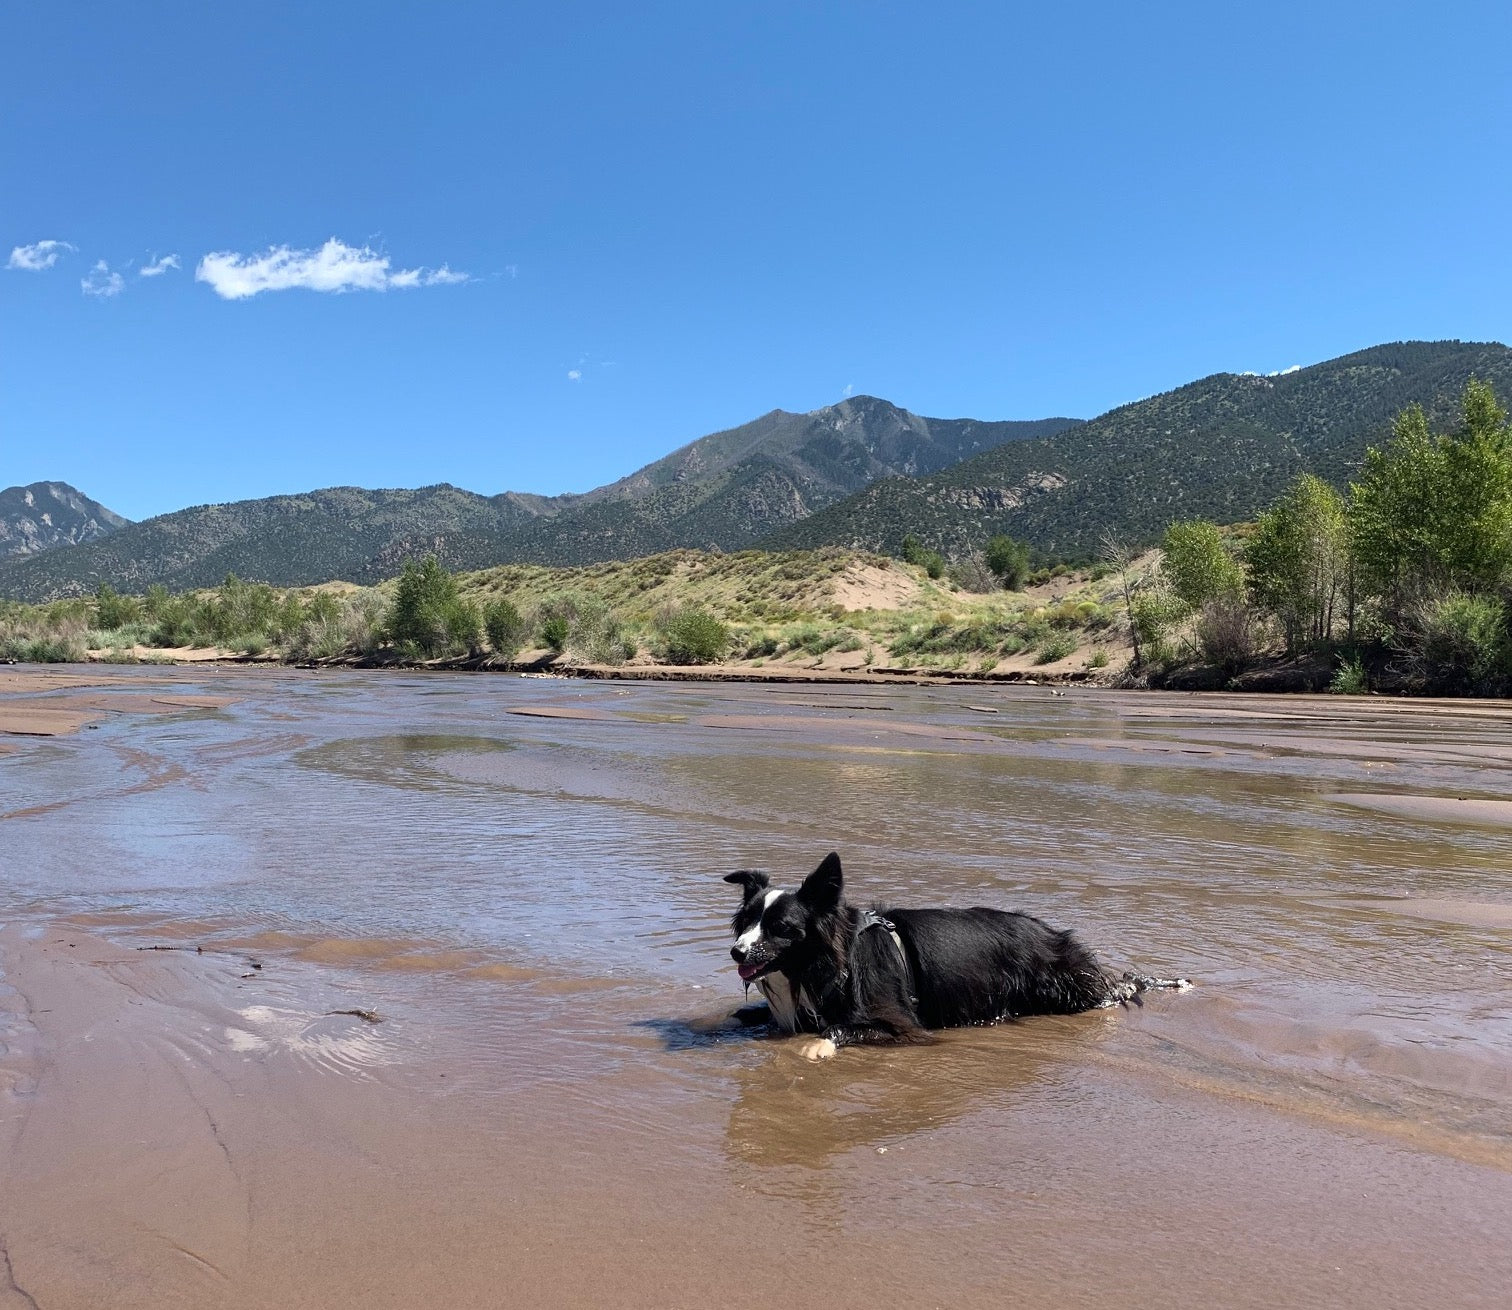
[{"x": 871, "y": 919}]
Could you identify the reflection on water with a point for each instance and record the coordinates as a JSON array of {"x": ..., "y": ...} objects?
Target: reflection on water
[
  {"x": 560, "y": 866},
  {"x": 784, "y": 1114}
]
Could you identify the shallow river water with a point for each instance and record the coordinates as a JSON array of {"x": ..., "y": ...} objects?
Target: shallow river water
[{"x": 521, "y": 879}]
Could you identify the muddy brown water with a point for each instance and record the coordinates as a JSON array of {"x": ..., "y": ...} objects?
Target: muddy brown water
[{"x": 520, "y": 879}]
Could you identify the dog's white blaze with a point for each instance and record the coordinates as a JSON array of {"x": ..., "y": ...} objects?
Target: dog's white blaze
[{"x": 752, "y": 935}]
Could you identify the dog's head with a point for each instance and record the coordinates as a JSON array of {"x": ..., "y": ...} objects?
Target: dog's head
[{"x": 776, "y": 930}]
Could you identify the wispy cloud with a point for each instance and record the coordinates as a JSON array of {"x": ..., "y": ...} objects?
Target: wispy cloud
[
  {"x": 574, "y": 375},
  {"x": 336, "y": 266},
  {"x": 102, "y": 282},
  {"x": 850, "y": 389},
  {"x": 37, "y": 258},
  {"x": 157, "y": 267}
]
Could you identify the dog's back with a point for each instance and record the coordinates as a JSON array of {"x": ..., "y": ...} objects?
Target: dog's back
[{"x": 981, "y": 965}]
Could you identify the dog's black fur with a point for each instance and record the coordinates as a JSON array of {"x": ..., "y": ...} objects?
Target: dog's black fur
[{"x": 830, "y": 969}]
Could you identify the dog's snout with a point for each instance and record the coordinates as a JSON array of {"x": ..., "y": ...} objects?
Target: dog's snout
[{"x": 737, "y": 954}]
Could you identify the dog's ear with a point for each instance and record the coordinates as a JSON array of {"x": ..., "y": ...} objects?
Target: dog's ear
[
  {"x": 821, "y": 889},
  {"x": 752, "y": 880}
]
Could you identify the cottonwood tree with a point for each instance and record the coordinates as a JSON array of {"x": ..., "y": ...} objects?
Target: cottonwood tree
[
  {"x": 1298, "y": 561},
  {"x": 1433, "y": 514},
  {"x": 1199, "y": 566}
]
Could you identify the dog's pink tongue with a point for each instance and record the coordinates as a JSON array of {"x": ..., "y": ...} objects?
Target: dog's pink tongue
[{"x": 747, "y": 971}]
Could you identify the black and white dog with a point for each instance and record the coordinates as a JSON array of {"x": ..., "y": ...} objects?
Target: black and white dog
[{"x": 882, "y": 976}]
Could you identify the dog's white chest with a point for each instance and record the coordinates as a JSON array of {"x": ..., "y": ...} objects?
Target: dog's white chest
[{"x": 779, "y": 993}]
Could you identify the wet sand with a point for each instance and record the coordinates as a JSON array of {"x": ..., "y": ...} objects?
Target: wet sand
[
  {"x": 43, "y": 703},
  {"x": 537, "y": 1104}
]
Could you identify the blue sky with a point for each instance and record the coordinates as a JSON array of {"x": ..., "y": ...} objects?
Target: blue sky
[{"x": 611, "y": 228}]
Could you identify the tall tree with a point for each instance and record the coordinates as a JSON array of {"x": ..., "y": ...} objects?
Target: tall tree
[
  {"x": 1298, "y": 560},
  {"x": 1434, "y": 513},
  {"x": 1199, "y": 565}
]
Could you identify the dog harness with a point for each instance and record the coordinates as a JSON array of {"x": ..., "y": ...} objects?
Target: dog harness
[{"x": 871, "y": 919}]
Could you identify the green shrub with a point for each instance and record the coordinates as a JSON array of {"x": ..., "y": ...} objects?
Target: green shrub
[
  {"x": 175, "y": 621},
  {"x": 463, "y": 625},
  {"x": 44, "y": 648},
  {"x": 915, "y": 552},
  {"x": 582, "y": 625},
  {"x": 506, "y": 628},
  {"x": 693, "y": 636},
  {"x": 1459, "y": 644},
  {"x": 1009, "y": 561},
  {"x": 1153, "y": 613},
  {"x": 1098, "y": 659},
  {"x": 1033, "y": 628},
  {"x": 237, "y": 610},
  {"x": 762, "y": 646},
  {"x": 1349, "y": 679},
  {"x": 321, "y": 607},
  {"x": 113, "y": 611},
  {"x": 427, "y": 617},
  {"x": 812, "y": 639},
  {"x": 1056, "y": 647}
]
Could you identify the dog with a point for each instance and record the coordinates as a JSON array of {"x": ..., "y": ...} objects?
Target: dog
[{"x": 844, "y": 976}]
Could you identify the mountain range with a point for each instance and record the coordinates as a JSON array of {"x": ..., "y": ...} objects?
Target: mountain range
[
  {"x": 860, "y": 473},
  {"x": 725, "y": 491},
  {"x": 1222, "y": 448}
]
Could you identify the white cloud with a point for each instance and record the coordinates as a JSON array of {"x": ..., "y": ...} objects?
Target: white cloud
[
  {"x": 850, "y": 389},
  {"x": 102, "y": 282},
  {"x": 1282, "y": 372},
  {"x": 157, "y": 267},
  {"x": 38, "y": 257},
  {"x": 336, "y": 266},
  {"x": 574, "y": 375}
]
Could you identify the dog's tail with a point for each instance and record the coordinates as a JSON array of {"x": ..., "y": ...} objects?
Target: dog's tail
[{"x": 1131, "y": 986}]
